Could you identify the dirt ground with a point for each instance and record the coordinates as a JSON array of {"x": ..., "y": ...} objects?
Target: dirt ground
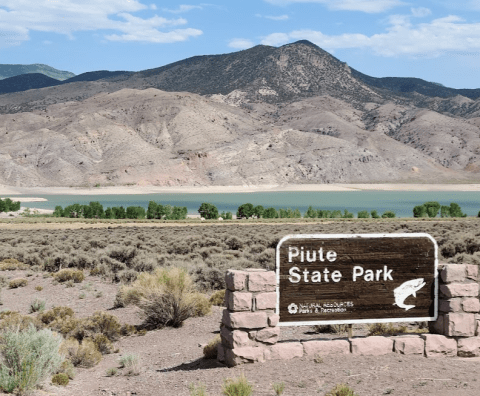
[{"x": 171, "y": 359}]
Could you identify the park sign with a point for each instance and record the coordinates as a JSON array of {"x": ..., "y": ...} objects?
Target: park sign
[{"x": 356, "y": 278}]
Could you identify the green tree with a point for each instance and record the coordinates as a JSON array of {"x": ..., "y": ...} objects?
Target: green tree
[
  {"x": 8, "y": 204},
  {"x": 3, "y": 206},
  {"x": 119, "y": 212},
  {"x": 167, "y": 211},
  {"x": 208, "y": 211},
  {"x": 336, "y": 214},
  {"x": 152, "y": 210},
  {"x": 310, "y": 213},
  {"x": 456, "y": 211},
  {"x": 258, "y": 211},
  {"x": 87, "y": 211},
  {"x": 270, "y": 213},
  {"x": 228, "y": 216},
  {"x": 388, "y": 214},
  {"x": 374, "y": 214},
  {"x": 445, "y": 211},
  {"x": 296, "y": 214},
  {"x": 133, "y": 212},
  {"x": 432, "y": 208},
  {"x": 245, "y": 211},
  {"x": 347, "y": 214},
  {"x": 73, "y": 211},
  {"x": 363, "y": 214},
  {"x": 96, "y": 209},
  {"x": 179, "y": 212},
  {"x": 109, "y": 213},
  {"x": 58, "y": 212},
  {"x": 420, "y": 211}
]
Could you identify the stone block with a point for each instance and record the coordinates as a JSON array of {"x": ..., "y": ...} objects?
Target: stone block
[
  {"x": 245, "y": 320},
  {"x": 286, "y": 350},
  {"x": 468, "y": 347},
  {"x": 437, "y": 345},
  {"x": 236, "y": 280},
  {"x": 477, "y": 324},
  {"x": 269, "y": 335},
  {"x": 459, "y": 290},
  {"x": 472, "y": 271},
  {"x": 264, "y": 281},
  {"x": 273, "y": 319},
  {"x": 337, "y": 347},
  {"x": 460, "y": 325},
  {"x": 437, "y": 327},
  {"x": 238, "y": 301},
  {"x": 220, "y": 353},
  {"x": 452, "y": 305},
  {"x": 266, "y": 300},
  {"x": 409, "y": 345},
  {"x": 375, "y": 345},
  {"x": 249, "y": 354},
  {"x": 234, "y": 338},
  {"x": 453, "y": 273},
  {"x": 471, "y": 305}
]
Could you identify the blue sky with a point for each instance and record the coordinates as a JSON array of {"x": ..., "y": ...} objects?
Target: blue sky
[{"x": 437, "y": 40}]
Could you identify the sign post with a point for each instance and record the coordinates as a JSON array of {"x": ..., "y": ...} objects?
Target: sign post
[{"x": 356, "y": 278}]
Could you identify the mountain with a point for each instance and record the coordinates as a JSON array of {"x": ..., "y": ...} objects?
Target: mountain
[
  {"x": 24, "y": 82},
  {"x": 16, "y": 70},
  {"x": 293, "y": 114}
]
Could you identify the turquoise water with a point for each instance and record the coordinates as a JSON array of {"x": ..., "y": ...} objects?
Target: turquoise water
[{"x": 401, "y": 202}]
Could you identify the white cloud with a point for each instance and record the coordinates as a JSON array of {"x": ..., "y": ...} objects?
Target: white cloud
[
  {"x": 183, "y": 8},
  {"x": 240, "y": 43},
  {"x": 421, "y": 12},
  {"x": 449, "y": 34},
  {"x": 277, "y": 18},
  {"x": 368, "y": 6},
  {"x": 19, "y": 17}
]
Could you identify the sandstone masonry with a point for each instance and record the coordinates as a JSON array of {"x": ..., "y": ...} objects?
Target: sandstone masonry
[{"x": 250, "y": 332}]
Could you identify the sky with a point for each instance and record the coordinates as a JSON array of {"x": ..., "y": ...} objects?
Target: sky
[{"x": 436, "y": 40}]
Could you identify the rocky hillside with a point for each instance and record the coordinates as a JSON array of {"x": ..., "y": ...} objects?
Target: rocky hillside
[{"x": 162, "y": 138}]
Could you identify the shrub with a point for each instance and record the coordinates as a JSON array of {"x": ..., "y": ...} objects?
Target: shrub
[
  {"x": 38, "y": 288},
  {"x": 67, "y": 368},
  {"x": 374, "y": 214},
  {"x": 432, "y": 208},
  {"x": 19, "y": 282},
  {"x": 131, "y": 365},
  {"x": 218, "y": 298},
  {"x": 382, "y": 328},
  {"x": 341, "y": 390},
  {"x": 28, "y": 357},
  {"x": 81, "y": 355},
  {"x": 37, "y": 305},
  {"x": 60, "y": 379},
  {"x": 444, "y": 211},
  {"x": 363, "y": 214},
  {"x": 68, "y": 274},
  {"x": 210, "y": 350},
  {"x": 55, "y": 313},
  {"x": 237, "y": 387},
  {"x": 208, "y": 211},
  {"x": 197, "y": 390},
  {"x": 310, "y": 213},
  {"x": 168, "y": 297},
  {"x": 12, "y": 265},
  {"x": 270, "y": 213},
  {"x": 111, "y": 372},
  {"x": 278, "y": 388},
  {"x": 336, "y": 329},
  {"x": 388, "y": 214},
  {"x": 456, "y": 211},
  {"x": 13, "y": 321},
  {"x": 103, "y": 344}
]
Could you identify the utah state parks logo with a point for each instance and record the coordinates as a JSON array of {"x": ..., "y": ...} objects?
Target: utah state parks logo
[{"x": 292, "y": 308}]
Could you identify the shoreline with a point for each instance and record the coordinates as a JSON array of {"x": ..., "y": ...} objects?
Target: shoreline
[{"x": 138, "y": 190}]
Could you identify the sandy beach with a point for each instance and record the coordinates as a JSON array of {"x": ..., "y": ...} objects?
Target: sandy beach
[{"x": 126, "y": 190}]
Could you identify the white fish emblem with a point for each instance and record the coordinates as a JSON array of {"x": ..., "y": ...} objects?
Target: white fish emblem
[{"x": 405, "y": 290}]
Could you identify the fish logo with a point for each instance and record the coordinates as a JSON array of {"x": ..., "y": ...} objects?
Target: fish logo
[{"x": 405, "y": 290}]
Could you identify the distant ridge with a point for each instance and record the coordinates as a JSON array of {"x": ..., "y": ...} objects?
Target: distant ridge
[
  {"x": 24, "y": 82},
  {"x": 97, "y": 75},
  {"x": 11, "y": 70}
]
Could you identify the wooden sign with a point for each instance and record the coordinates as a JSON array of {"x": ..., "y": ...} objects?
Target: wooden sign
[{"x": 356, "y": 278}]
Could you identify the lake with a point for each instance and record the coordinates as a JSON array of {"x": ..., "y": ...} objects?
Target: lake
[{"x": 401, "y": 202}]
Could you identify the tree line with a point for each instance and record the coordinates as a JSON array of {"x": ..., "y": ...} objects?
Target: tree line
[{"x": 7, "y": 205}]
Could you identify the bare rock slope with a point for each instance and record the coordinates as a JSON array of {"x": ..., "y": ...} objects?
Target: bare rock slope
[{"x": 163, "y": 138}]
